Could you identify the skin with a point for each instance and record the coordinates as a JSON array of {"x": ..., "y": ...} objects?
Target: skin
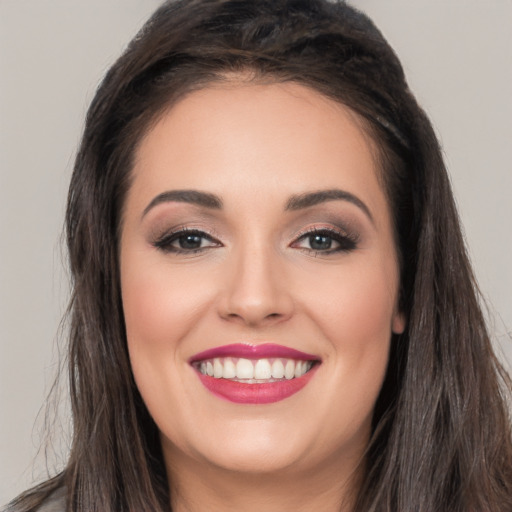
[{"x": 256, "y": 279}]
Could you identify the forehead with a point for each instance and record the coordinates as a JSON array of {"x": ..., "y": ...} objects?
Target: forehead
[{"x": 286, "y": 137}]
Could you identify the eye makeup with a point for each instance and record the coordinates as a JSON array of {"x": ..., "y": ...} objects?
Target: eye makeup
[
  {"x": 180, "y": 228},
  {"x": 329, "y": 230},
  {"x": 185, "y": 240},
  {"x": 325, "y": 240},
  {"x": 326, "y": 230}
]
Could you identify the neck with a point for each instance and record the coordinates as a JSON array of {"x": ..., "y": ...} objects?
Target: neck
[{"x": 199, "y": 487}]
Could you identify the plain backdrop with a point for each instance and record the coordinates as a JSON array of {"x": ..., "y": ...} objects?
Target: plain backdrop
[{"x": 457, "y": 56}]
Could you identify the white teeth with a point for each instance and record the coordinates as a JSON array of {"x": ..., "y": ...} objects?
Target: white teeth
[
  {"x": 262, "y": 369},
  {"x": 229, "y": 369},
  {"x": 289, "y": 370},
  {"x": 254, "y": 371},
  {"x": 217, "y": 368},
  {"x": 277, "y": 369},
  {"x": 244, "y": 369}
]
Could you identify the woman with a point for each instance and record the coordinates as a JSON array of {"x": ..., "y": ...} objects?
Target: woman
[{"x": 273, "y": 307}]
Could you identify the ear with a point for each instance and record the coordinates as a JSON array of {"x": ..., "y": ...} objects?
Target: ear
[{"x": 398, "y": 322}]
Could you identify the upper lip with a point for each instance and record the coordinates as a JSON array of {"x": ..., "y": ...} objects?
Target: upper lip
[{"x": 248, "y": 351}]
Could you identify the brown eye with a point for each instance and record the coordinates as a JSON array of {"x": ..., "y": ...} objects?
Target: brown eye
[
  {"x": 326, "y": 241},
  {"x": 184, "y": 241},
  {"x": 189, "y": 242}
]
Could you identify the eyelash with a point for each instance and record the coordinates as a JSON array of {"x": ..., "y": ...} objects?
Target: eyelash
[
  {"x": 346, "y": 242},
  {"x": 164, "y": 243}
]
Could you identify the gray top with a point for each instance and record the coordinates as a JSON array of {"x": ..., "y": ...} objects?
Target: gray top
[{"x": 55, "y": 503}]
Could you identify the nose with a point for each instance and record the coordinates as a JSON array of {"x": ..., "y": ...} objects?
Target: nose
[{"x": 256, "y": 292}]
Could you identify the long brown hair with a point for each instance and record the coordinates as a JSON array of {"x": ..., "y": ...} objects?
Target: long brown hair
[{"x": 441, "y": 430}]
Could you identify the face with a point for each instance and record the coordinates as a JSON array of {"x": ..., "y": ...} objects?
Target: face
[{"x": 259, "y": 280}]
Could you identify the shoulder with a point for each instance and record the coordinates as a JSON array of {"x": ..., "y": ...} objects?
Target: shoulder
[
  {"x": 49, "y": 496},
  {"x": 56, "y": 502}
]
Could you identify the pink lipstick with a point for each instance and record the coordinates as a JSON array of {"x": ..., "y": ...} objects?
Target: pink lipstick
[
  {"x": 254, "y": 374},
  {"x": 253, "y": 352}
]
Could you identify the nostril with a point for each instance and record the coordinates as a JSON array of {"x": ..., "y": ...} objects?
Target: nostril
[
  {"x": 255, "y": 302},
  {"x": 254, "y": 318}
]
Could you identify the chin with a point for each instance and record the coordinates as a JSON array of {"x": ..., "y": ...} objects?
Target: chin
[
  {"x": 259, "y": 446},
  {"x": 246, "y": 446}
]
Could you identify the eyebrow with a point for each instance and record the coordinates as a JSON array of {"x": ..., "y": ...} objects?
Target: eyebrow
[
  {"x": 301, "y": 201},
  {"x": 294, "y": 203},
  {"x": 196, "y": 197}
]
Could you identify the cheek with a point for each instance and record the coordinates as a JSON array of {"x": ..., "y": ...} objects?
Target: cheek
[
  {"x": 150, "y": 306},
  {"x": 354, "y": 309},
  {"x": 161, "y": 304},
  {"x": 356, "y": 304},
  {"x": 161, "y": 307}
]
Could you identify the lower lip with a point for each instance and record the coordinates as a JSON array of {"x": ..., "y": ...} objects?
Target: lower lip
[{"x": 242, "y": 393}]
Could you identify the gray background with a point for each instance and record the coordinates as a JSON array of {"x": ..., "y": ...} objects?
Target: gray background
[{"x": 457, "y": 55}]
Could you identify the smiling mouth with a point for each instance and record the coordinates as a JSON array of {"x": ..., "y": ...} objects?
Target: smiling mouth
[
  {"x": 249, "y": 371},
  {"x": 254, "y": 374}
]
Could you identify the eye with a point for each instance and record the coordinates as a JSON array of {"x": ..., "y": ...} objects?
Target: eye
[
  {"x": 186, "y": 241},
  {"x": 325, "y": 241}
]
